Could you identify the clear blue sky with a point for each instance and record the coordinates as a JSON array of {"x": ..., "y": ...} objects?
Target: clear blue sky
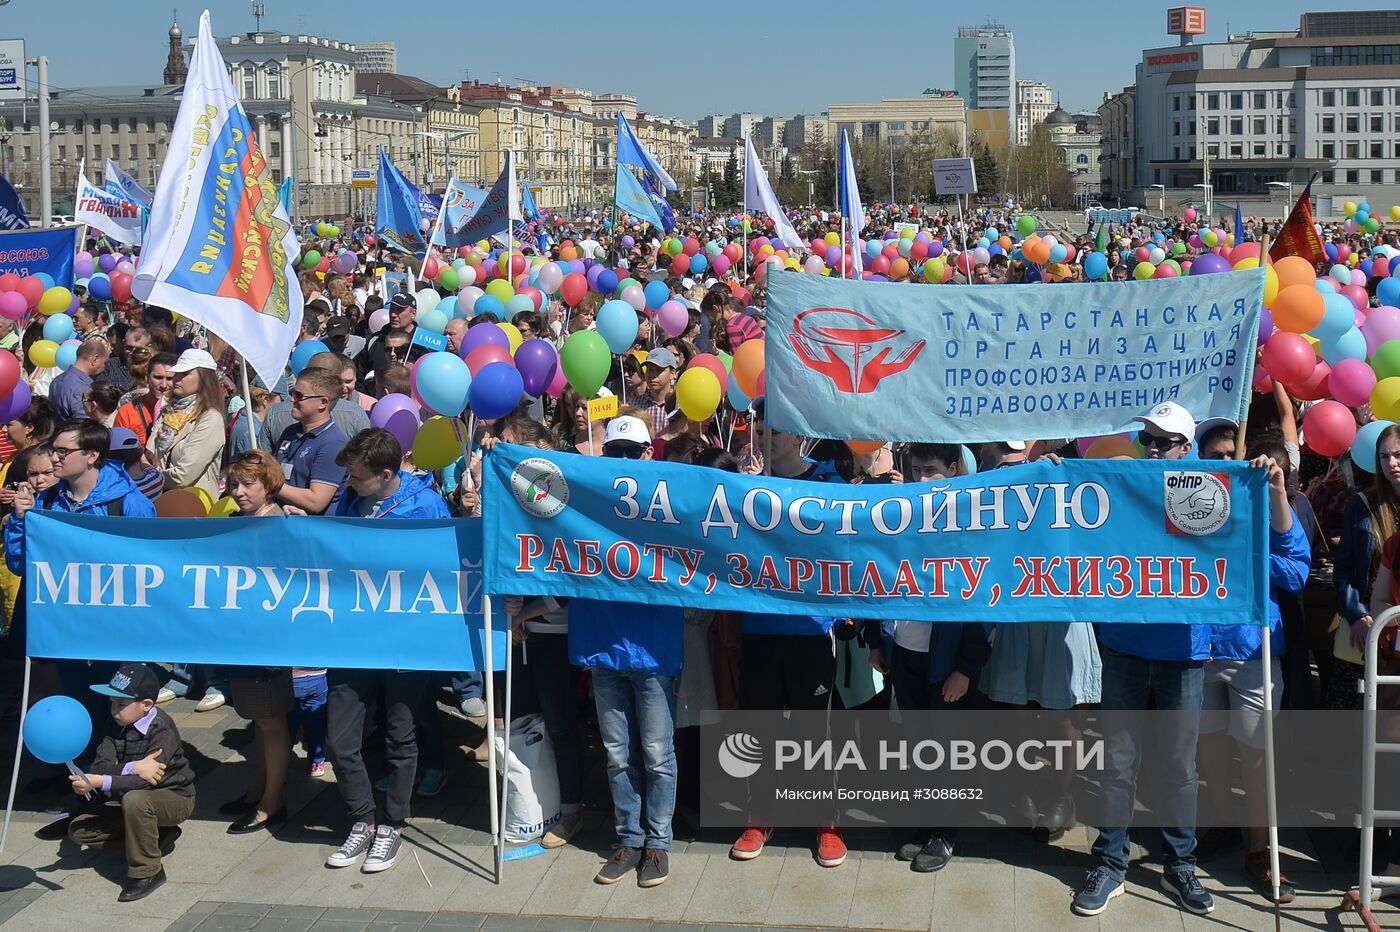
[{"x": 684, "y": 60}]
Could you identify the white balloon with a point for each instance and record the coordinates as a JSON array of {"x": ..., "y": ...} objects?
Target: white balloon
[
  {"x": 427, "y": 300},
  {"x": 466, "y": 298}
]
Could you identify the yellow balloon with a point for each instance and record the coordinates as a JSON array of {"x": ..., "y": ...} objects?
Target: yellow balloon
[
  {"x": 698, "y": 392},
  {"x": 833, "y": 239},
  {"x": 204, "y": 497},
  {"x": 512, "y": 333},
  {"x": 435, "y": 445},
  {"x": 1270, "y": 278},
  {"x": 1349, "y": 208},
  {"x": 44, "y": 353},
  {"x": 500, "y": 289},
  {"x": 1395, "y": 213},
  {"x": 223, "y": 508},
  {"x": 55, "y": 300},
  {"x": 1385, "y": 399},
  {"x": 791, "y": 263}
]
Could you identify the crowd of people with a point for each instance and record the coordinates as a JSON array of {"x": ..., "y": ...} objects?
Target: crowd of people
[{"x": 154, "y": 404}]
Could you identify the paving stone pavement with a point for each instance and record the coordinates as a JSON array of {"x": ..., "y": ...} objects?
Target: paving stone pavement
[{"x": 1000, "y": 879}]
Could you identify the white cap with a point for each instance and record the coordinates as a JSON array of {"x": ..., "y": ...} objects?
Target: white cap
[
  {"x": 193, "y": 359},
  {"x": 1211, "y": 423},
  {"x": 1017, "y": 445},
  {"x": 1170, "y": 418},
  {"x": 629, "y": 428}
]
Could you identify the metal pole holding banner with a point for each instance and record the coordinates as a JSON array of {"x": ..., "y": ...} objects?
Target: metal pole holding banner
[
  {"x": 248, "y": 404},
  {"x": 505, "y": 752},
  {"x": 19, "y": 750},
  {"x": 45, "y": 146},
  {"x": 497, "y": 835},
  {"x": 1270, "y": 790}
]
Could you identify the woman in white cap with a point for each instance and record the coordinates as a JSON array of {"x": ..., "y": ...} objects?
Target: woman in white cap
[{"x": 187, "y": 443}]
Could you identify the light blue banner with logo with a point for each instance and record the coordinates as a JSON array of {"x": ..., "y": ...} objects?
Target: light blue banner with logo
[
  {"x": 1088, "y": 540},
  {"x": 310, "y": 592},
  {"x": 955, "y": 363},
  {"x": 30, "y": 252}
]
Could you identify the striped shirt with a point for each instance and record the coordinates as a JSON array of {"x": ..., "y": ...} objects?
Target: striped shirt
[
  {"x": 151, "y": 483},
  {"x": 741, "y": 328}
]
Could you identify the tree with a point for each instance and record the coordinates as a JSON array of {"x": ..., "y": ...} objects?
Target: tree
[
  {"x": 730, "y": 187},
  {"x": 988, "y": 169},
  {"x": 788, "y": 170},
  {"x": 1037, "y": 173}
]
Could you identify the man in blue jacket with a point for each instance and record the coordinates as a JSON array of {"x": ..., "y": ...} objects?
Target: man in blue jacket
[
  {"x": 1158, "y": 666},
  {"x": 376, "y": 487},
  {"x": 1234, "y": 685}
]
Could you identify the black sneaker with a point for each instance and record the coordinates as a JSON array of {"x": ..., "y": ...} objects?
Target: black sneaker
[
  {"x": 655, "y": 868},
  {"x": 624, "y": 860},
  {"x": 911, "y": 848},
  {"x": 356, "y": 845},
  {"x": 1185, "y": 887},
  {"x": 1258, "y": 875},
  {"x": 166, "y": 839},
  {"x": 934, "y": 856},
  {"x": 383, "y": 851}
]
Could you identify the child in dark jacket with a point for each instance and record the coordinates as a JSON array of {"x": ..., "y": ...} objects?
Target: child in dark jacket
[{"x": 141, "y": 767}]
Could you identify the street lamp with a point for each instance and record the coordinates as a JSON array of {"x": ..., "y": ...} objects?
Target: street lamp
[
  {"x": 1161, "y": 198},
  {"x": 1289, "y": 186},
  {"x": 1208, "y": 193},
  {"x": 446, "y": 137}
]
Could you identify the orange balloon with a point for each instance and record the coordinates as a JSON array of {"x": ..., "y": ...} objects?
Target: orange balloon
[
  {"x": 568, "y": 252},
  {"x": 749, "y": 362},
  {"x": 1005, "y": 242},
  {"x": 1298, "y": 308},
  {"x": 1294, "y": 270},
  {"x": 1112, "y": 448},
  {"x": 180, "y": 503},
  {"x": 861, "y": 447},
  {"x": 899, "y": 268}
]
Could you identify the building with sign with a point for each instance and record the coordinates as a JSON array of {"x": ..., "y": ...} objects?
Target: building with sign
[
  {"x": 898, "y": 120},
  {"x": 984, "y": 68},
  {"x": 1267, "y": 110}
]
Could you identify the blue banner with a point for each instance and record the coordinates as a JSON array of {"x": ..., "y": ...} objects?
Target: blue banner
[
  {"x": 335, "y": 592},
  {"x": 1005, "y": 362},
  {"x": 12, "y": 213},
  {"x": 460, "y": 203},
  {"x": 29, "y": 252},
  {"x": 399, "y": 209},
  {"x": 1087, "y": 540}
]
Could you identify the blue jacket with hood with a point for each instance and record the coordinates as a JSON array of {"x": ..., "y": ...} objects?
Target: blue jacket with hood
[
  {"x": 113, "y": 484},
  {"x": 414, "y": 498}
]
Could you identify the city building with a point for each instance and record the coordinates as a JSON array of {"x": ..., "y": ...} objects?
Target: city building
[
  {"x": 984, "y": 68},
  {"x": 1035, "y": 101},
  {"x": 715, "y": 153},
  {"x": 992, "y": 127},
  {"x": 1116, "y": 150},
  {"x": 806, "y": 131},
  {"x": 1271, "y": 108},
  {"x": 667, "y": 138},
  {"x": 740, "y": 125},
  {"x": 768, "y": 133},
  {"x": 710, "y": 125},
  {"x": 898, "y": 120},
  {"x": 379, "y": 56},
  {"x": 428, "y": 131},
  {"x": 1077, "y": 137}
]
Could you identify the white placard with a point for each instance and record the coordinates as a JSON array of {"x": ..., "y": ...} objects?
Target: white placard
[
  {"x": 954, "y": 176},
  {"x": 12, "y": 83}
]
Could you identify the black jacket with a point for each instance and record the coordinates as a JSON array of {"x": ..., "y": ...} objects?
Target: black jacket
[{"x": 126, "y": 745}]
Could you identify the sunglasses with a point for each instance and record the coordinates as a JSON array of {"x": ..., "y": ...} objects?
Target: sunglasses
[
  {"x": 1157, "y": 441},
  {"x": 298, "y": 396},
  {"x": 629, "y": 451}
]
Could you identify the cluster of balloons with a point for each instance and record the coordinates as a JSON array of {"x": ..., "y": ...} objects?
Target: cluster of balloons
[
  {"x": 106, "y": 277},
  {"x": 326, "y": 230}
]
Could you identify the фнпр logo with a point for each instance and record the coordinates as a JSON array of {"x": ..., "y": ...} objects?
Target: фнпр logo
[
  {"x": 740, "y": 755},
  {"x": 840, "y": 344}
]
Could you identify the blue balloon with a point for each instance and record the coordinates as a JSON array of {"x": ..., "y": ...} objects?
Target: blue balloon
[
  {"x": 992, "y": 234},
  {"x": 67, "y": 355},
  {"x": 57, "y": 729},
  {"x": 657, "y": 294},
  {"x": 495, "y": 391},
  {"x": 873, "y": 247},
  {"x": 1338, "y": 318},
  {"x": 1095, "y": 266},
  {"x": 58, "y": 328},
  {"x": 1350, "y": 345},
  {"x": 698, "y": 263},
  {"x": 1058, "y": 252},
  {"x": 1388, "y": 290},
  {"x": 448, "y": 306},
  {"x": 737, "y": 399},
  {"x": 302, "y": 353},
  {"x": 1331, "y": 250},
  {"x": 442, "y": 382},
  {"x": 617, "y": 325},
  {"x": 489, "y": 304},
  {"x": 607, "y": 281},
  {"x": 1363, "y": 448},
  {"x": 1366, "y": 265},
  {"x": 46, "y": 278},
  {"x": 518, "y": 303},
  {"x": 100, "y": 287}
]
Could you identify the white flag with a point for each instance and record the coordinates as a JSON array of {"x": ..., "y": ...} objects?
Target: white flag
[
  {"x": 119, "y": 182},
  {"x": 758, "y": 193},
  {"x": 102, "y": 210},
  {"x": 219, "y": 247}
]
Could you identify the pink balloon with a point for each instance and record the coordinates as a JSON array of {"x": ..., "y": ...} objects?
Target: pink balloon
[
  {"x": 12, "y": 305},
  {"x": 1357, "y": 295},
  {"x": 1351, "y": 382},
  {"x": 557, "y": 386},
  {"x": 1329, "y": 428},
  {"x": 721, "y": 264},
  {"x": 1289, "y": 358},
  {"x": 1358, "y": 277},
  {"x": 1381, "y": 326},
  {"x": 674, "y": 318}
]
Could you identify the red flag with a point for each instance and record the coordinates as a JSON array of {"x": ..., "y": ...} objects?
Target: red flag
[{"x": 1298, "y": 236}]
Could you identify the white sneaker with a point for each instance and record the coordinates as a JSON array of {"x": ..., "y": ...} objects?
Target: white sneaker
[
  {"x": 385, "y": 850},
  {"x": 165, "y": 695},
  {"x": 354, "y": 848},
  {"x": 213, "y": 699},
  {"x": 474, "y": 708}
]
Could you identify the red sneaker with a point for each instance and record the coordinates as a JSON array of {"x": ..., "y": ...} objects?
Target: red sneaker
[
  {"x": 750, "y": 844},
  {"x": 831, "y": 850}
]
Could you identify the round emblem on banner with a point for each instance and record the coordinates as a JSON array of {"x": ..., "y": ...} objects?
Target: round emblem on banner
[
  {"x": 539, "y": 487},
  {"x": 1197, "y": 503},
  {"x": 740, "y": 755}
]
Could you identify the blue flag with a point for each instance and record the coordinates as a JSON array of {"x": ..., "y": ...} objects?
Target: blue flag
[
  {"x": 400, "y": 213},
  {"x": 632, "y": 198},
  {"x": 630, "y": 151},
  {"x": 12, "y": 213},
  {"x": 527, "y": 204},
  {"x": 663, "y": 207},
  {"x": 459, "y": 204},
  {"x": 284, "y": 194},
  {"x": 1239, "y": 225}
]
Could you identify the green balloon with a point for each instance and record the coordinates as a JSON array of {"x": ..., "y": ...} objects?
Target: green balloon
[
  {"x": 1026, "y": 225},
  {"x": 622, "y": 285},
  {"x": 1174, "y": 264},
  {"x": 1372, "y": 225},
  {"x": 311, "y": 260},
  {"x": 586, "y": 362},
  {"x": 1179, "y": 249},
  {"x": 448, "y": 279},
  {"x": 1386, "y": 360},
  {"x": 674, "y": 247}
]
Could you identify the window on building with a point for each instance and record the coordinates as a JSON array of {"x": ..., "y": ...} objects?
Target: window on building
[
  {"x": 1176, "y": 128},
  {"x": 274, "y": 81},
  {"x": 250, "y": 86},
  {"x": 1258, "y": 150},
  {"x": 1236, "y": 150},
  {"x": 1081, "y": 159},
  {"x": 1213, "y": 101},
  {"x": 1353, "y": 98},
  {"x": 1329, "y": 98},
  {"x": 28, "y": 152},
  {"x": 1213, "y": 126},
  {"x": 1260, "y": 126},
  {"x": 1176, "y": 102},
  {"x": 1329, "y": 124},
  {"x": 150, "y": 150},
  {"x": 1376, "y": 150},
  {"x": 1176, "y": 154},
  {"x": 150, "y": 125},
  {"x": 1261, "y": 100},
  {"x": 62, "y": 152},
  {"x": 1236, "y": 126},
  {"x": 1327, "y": 177},
  {"x": 1377, "y": 97},
  {"x": 77, "y": 126},
  {"x": 1353, "y": 124},
  {"x": 1377, "y": 123},
  {"x": 1236, "y": 101},
  {"x": 132, "y": 150},
  {"x": 1353, "y": 176},
  {"x": 1353, "y": 150},
  {"x": 1376, "y": 174},
  {"x": 1292, "y": 151},
  {"x": 1190, "y": 127},
  {"x": 1329, "y": 150}
]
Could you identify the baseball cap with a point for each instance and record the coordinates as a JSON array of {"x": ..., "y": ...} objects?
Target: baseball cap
[
  {"x": 628, "y": 428},
  {"x": 687, "y": 283},
  {"x": 131, "y": 681},
  {"x": 661, "y": 356},
  {"x": 1017, "y": 445},
  {"x": 404, "y": 299},
  {"x": 193, "y": 359},
  {"x": 1170, "y": 418},
  {"x": 338, "y": 327},
  {"x": 124, "y": 438},
  {"x": 1210, "y": 423}
]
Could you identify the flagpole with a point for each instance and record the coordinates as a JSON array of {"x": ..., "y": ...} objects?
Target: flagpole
[
  {"x": 248, "y": 402},
  {"x": 510, "y": 217}
]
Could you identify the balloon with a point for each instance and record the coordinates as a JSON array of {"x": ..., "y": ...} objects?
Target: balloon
[
  {"x": 749, "y": 363},
  {"x": 551, "y": 277},
  {"x": 377, "y": 321},
  {"x": 533, "y": 294},
  {"x": 1339, "y": 315},
  {"x": 1315, "y": 387},
  {"x": 520, "y": 302},
  {"x": 714, "y": 364},
  {"x": 121, "y": 287},
  {"x": 617, "y": 323},
  {"x": 1351, "y": 345},
  {"x": 1386, "y": 360},
  {"x": 1025, "y": 225},
  {"x": 99, "y": 287},
  {"x": 1363, "y": 448},
  {"x": 481, "y": 335},
  {"x": 302, "y": 353},
  {"x": 1294, "y": 270},
  {"x": 537, "y": 363},
  {"x": 1143, "y": 271},
  {"x": 1289, "y": 358},
  {"x": 1095, "y": 266},
  {"x": 586, "y": 361},
  {"x": 489, "y": 304},
  {"x": 427, "y": 300},
  {"x": 441, "y": 382},
  {"x": 12, "y": 305},
  {"x": 58, "y": 328},
  {"x": 1352, "y": 382},
  {"x": 1209, "y": 264},
  {"x": 500, "y": 289},
  {"x": 43, "y": 353},
  {"x": 698, "y": 391},
  {"x": 398, "y": 415},
  {"x": 1381, "y": 324},
  {"x": 447, "y": 278},
  {"x": 656, "y": 294},
  {"x": 495, "y": 391},
  {"x": 574, "y": 287},
  {"x": 57, "y": 729},
  {"x": 434, "y": 321},
  {"x": 180, "y": 503},
  {"x": 1329, "y": 428},
  {"x": 308, "y": 261},
  {"x": 633, "y": 295},
  {"x": 1297, "y": 308},
  {"x": 55, "y": 301},
  {"x": 607, "y": 281},
  {"x": 435, "y": 445},
  {"x": 16, "y": 402},
  {"x": 484, "y": 355},
  {"x": 513, "y": 336}
]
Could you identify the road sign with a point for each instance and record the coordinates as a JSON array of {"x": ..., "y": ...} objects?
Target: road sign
[
  {"x": 12, "y": 69},
  {"x": 954, "y": 176},
  {"x": 363, "y": 178}
]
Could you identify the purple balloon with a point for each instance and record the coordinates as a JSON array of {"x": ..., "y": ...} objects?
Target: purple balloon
[
  {"x": 1209, "y": 264},
  {"x": 16, "y": 403},
  {"x": 935, "y": 249},
  {"x": 592, "y": 277},
  {"x": 576, "y": 265},
  {"x": 628, "y": 242},
  {"x": 482, "y": 334},
  {"x": 398, "y": 415},
  {"x": 1266, "y": 326},
  {"x": 833, "y": 255},
  {"x": 107, "y": 262},
  {"x": 536, "y": 361},
  {"x": 495, "y": 390}
]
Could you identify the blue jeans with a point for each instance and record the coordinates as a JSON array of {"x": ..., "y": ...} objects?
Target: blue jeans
[
  {"x": 309, "y": 714},
  {"x": 1129, "y": 685},
  {"x": 468, "y": 686},
  {"x": 637, "y": 722}
]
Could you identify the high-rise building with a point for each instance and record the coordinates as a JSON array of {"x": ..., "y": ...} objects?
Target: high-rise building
[
  {"x": 739, "y": 125},
  {"x": 768, "y": 132},
  {"x": 984, "y": 68},
  {"x": 380, "y": 56},
  {"x": 711, "y": 126},
  {"x": 1034, "y": 102},
  {"x": 805, "y": 130}
]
